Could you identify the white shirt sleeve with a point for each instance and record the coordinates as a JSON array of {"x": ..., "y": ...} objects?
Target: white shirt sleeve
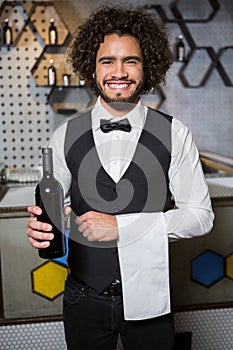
[{"x": 192, "y": 215}]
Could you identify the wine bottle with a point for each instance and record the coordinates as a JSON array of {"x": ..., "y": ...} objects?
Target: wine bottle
[
  {"x": 52, "y": 32},
  {"x": 6, "y": 33},
  {"x": 52, "y": 76},
  {"x": 50, "y": 198},
  {"x": 180, "y": 49}
]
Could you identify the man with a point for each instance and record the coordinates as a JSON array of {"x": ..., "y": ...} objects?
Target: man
[{"x": 120, "y": 178}]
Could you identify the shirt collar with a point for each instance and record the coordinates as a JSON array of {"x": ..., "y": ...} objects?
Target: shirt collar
[{"x": 136, "y": 117}]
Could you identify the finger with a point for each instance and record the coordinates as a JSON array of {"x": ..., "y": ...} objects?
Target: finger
[
  {"x": 83, "y": 226},
  {"x": 86, "y": 233},
  {"x": 39, "y": 226},
  {"x": 34, "y": 210},
  {"x": 38, "y": 235},
  {"x": 38, "y": 245},
  {"x": 79, "y": 220},
  {"x": 88, "y": 215},
  {"x": 67, "y": 211},
  {"x": 91, "y": 238},
  {"x": 94, "y": 236}
]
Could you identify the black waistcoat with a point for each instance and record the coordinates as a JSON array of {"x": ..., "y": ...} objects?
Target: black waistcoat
[{"x": 144, "y": 187}]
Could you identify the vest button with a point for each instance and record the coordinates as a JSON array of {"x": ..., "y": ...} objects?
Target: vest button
[{"x": 115, "y": 251}]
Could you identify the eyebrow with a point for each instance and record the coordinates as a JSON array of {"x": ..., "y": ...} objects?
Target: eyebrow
[{"x": 113, "y": 58}]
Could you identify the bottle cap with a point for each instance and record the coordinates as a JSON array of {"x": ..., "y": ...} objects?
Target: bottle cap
[{"x": 46, "y": 150}]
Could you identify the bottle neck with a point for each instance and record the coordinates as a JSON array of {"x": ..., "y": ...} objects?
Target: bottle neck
[
  {"x": 47, "y": 174},
  {"x": 47, "y": 165}
]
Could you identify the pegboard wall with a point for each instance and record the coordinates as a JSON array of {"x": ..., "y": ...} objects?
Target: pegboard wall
[
  {"x": 26, "y": 118},
  {"x": 197, "y": 91}
]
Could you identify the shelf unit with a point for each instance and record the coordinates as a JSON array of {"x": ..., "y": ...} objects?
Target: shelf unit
[
  {"x": 36, "y": 15},
  {"x": 213, "y": 59},
  {"x": 40, "y": 15},
  {"x": 60, "y": 97}
]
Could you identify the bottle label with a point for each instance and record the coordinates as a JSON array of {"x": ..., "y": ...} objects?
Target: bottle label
[
  {"x": 8, "y": 37},
  {"x": 52, "y": 77},
  {"x": 66, "y": 80},
  {"x": 52, "y": 36},
  {"x": 180, "y": 55},
  {"x": 81, "y": 82}
]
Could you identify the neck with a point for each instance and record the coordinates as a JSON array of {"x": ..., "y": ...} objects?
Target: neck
[{"x": 118, "y": 109}]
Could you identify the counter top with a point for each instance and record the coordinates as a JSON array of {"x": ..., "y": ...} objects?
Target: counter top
[
  {"x": 14, "y": 200},
  {"x": 221, "y": 190}
]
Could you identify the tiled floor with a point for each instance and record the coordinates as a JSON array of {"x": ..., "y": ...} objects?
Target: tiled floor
[{"x": 211, "y": 330}]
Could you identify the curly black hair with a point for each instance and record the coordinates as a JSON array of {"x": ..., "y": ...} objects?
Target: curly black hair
[{"x": 150, "y": 32}]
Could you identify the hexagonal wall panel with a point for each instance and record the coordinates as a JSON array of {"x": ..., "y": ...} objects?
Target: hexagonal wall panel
[
  {"x": 155, "y": 98},
  {"x": 40, "y": 19},
  {"x": 40, "y": 69},
  {"x": 17, "y": 18},
  {"x": 68, "y": 100},
  {"x": 199, "y": 61},
  {"x": 193, "y": 12},
  {"x": 48, "y": 280},
  {"x": 229, "y": 266},
  {"x": 226, "y": 58},
  {"x": 207, "y": 268}
]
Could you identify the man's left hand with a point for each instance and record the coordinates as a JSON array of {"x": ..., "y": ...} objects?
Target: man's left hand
[{"x": 97, "y": 226}]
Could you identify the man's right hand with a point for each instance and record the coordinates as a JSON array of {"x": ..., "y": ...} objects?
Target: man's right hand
[{"x": 38, "y": 232}]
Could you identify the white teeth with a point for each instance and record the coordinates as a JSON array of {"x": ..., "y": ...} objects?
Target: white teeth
[{"x": 118, "y": 86}]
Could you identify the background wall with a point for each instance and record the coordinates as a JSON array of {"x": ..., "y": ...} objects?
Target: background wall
[{"x": 27, "y": 121}]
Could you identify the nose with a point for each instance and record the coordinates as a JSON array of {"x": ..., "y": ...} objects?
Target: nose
[{"x": 119, "y": 70}]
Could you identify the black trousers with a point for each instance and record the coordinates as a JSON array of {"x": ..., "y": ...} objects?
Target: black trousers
[{"x": 93, "y": 322}]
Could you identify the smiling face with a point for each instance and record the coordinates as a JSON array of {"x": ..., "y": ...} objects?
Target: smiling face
[{"x": 119, "y": 70}]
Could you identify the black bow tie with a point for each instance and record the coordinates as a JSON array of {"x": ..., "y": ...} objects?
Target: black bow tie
[{"x": 107, "y": 126}]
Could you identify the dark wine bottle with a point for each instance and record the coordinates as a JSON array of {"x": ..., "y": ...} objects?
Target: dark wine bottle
[
  {"x": 52, "y": 32},
  {"x": 52, "y": 76},
  {"x": 6, "y": 33},
  {"x": 50, "y": 198},
  {"x": 180, "y": 49}
]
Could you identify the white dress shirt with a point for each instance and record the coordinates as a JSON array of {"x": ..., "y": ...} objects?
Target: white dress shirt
[{"x": 143, "y": 237}]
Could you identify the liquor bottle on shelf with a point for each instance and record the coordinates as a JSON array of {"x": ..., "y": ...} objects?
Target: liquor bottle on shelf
[
  {"x": 52, "y": 75},
  {"x": 180, "y": 49},
  {"x": 50, "y": 198},
  {"x": 52, "y": 32},
  {"x": 6, "y": 33},
  {"x": 66, "y": 79},
  {"x": 81, "y": 81}
]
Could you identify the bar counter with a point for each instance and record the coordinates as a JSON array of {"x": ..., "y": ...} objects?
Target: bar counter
[
  {"x": 18, "y": 259},
  {"x": 15, "y": 199}
]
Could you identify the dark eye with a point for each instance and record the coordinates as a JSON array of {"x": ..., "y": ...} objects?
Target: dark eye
[
  {"x": 131, "y": 62},
  {"x": 106, "y": 62}
]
